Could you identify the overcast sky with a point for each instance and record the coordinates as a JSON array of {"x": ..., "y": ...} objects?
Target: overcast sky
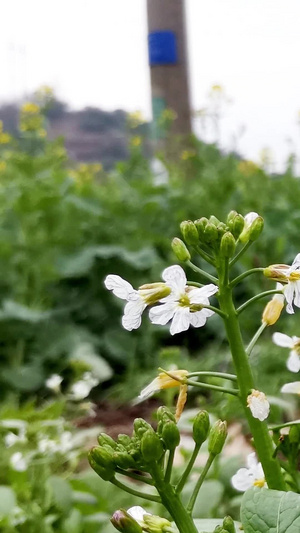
[{"x": 94, "y": 52}]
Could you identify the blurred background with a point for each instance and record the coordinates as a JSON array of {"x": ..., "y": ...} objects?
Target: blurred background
[{"x": 118, "y": 121}]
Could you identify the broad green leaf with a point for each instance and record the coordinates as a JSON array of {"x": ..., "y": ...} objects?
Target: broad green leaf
[
  {"x": 61, "y": 493},
  {"x": 270, "y": 511},
  {"x": 8, "y": 500},
  {"x": 208, "y": 525}
]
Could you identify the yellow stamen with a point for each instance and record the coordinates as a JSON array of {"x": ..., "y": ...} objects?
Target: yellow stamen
[
  {"x": 181, "y": 401},
  {"x": 259, "y": 483}
]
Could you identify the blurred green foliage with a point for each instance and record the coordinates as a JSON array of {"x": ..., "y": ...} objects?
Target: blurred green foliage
[{"x": 63, "y": 228}]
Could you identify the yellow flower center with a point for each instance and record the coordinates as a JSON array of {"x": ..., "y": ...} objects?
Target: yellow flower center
[
  {"x": 294, "y": 276},
  {"x": 184, "y": 301},
  {"x": 259, "y": 483}
]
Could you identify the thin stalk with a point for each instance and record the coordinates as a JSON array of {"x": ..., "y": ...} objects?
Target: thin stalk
[
  {"x": 188, "y": 469},
  {"x": 202, "y": 272},
  {"x": 137, "y": 477},
  {"x": 169, "y": 466},
  {"x": 255, "y": 298},
  {"x": 286, "y": 425},
  {"x": 195, "y": 284},
  {"x": 262, "y": 439},
  {"x": 240, "y": 253},
  {"x": 172, "y": 502},
  {"x": 134, "y": 492},
  {"x": 221, "y": 375},
  {"x": 255, "y": 338},
  {"x": 201, "y": 385},
  {"x": 193, "y": 498},
  {"x": 214, "y": 309},
  {"x": 204, "y": 255},
  {"x": 239, "y": 278}
]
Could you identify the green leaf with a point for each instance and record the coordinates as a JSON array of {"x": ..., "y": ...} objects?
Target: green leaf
[
  {"x": 209, "y": 497},
  {"x": 270, "y": 511},
  {"x": 61, "y": 493},
  {"x": 73, "y": 523},
  {"x": 15, "y": 311},
  {"x": 25, "y": 378},
  {"x": 8, "y": 500},
  {"x": 85, "y": 352},
  {"x": 209, "y": 525}
]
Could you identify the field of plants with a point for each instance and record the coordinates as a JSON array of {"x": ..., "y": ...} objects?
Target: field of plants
[{"x": 65, "y": 357}]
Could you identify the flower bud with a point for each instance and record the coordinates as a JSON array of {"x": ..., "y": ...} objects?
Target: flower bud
[
  {"x": 180, "y": 250},
  {"x": 189, "y": 232},
  {"x": 256, "y": 228},
  {"x": 170, "y": 435},
  {"x": 213, "y": 220},
  {"x": 156, "y": 524},
  {"x": 237, "y": 226},
  {"x": 123, "y": 522},
  {"x": 217, "y": 437},
  {"x": 228, "y": 524},
  {"x": 102, "y": 456},
  {"x": 276, "y": 272},
  {"x": 201, "y": 224},
  {"x": 106, "y": 473},
  {"x": 252, "y": 228},
  {"x": 124, "y": 440},
  {"x": 231, "y": 216},
  {"x": 106, "y": 439},
  {"x": 210, "y": 233},
  {"x": 273, "y": 309},
  {"x": 227, "y": 246},
  {"x": 141, "y": 426},
  {"x": 164, "y": 414},
  {"x": 123, "y": 460},
  {"x": 151, "y": 446},
  {"x": 201, "y": 427}
]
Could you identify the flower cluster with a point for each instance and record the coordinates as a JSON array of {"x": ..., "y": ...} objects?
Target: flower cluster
[{"x": 180, "y": 303}]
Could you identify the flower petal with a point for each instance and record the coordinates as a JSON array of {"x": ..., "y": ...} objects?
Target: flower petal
[
  {"x": 259, "y": 405},
  {"x": 288, "y": 292},
  {"x": 242, "y": 480},
  {"x": 293, "y": 362},
  {"x": 197, "y": 295},
  {"x": 131, "y": 322},
  {"x": 282, "y": 340},
  {"x": 296, "y": 262},
  {"x": 137, "y": 512},
  {"x": 161, "y": 314},
  {"x": 181, "y": 320},
  {"x": 135, "y": 307},
  {"x": 175, "y": 277},
  {"x": 291, "y": 388},
  {"x": 120, "y": 288},
  {"x": 198, "y": 319}
]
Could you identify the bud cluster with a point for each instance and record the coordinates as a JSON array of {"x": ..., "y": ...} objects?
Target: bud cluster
[
  {"x": 227, "y": 526},
  {"x": 220, "y": 237}
]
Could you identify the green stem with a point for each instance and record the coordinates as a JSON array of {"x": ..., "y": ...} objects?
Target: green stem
[
  {"x": 188, "y": 469},
  {"x": 286, "y": 425},
  {"x": 201, "y": 385},
  {"x": 240, "y": 253},
  {"x": 255, "y": 338},
  {"x": 202, "y": 272},
  {"x": 172, "y": 502},
  {"x": 214, "y": 309},
  {"x": 262, "y": 439},
  {"x": 193, "y": 498},
  {"x": 137, "y": 493},
  {"x": 221, "y": 375},
  {"x": 255, "y": 298},
  {"x": 195, "y": 284},
  {"x": 169, "y": 466},
  {"x": 204, "y": 255},
  {"x": 237, "y": 280},
  {"x": 137, "y": 477}
]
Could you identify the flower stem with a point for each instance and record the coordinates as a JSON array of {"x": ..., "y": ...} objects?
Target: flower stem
[
  {"x": 255, "y": 338},
  {"x": 202, "y": 272},
  {"x": 204, "y": 255},
  {"x": 169, "y": 466},
  {"x": 201, "y": 385},
  {"x": 255, "y": 298},
  {"x": 188, "y": 469},
  {"x": 137, "y": 477},
  {"x": 238, "y": 279},
  {"x": 221, "y": 375},
  {"x": 193, "y": 498},
  {"x": 262, "y": 439},
  {"x": 134, "y": 492},
  {"x": 240, "y": 253},
  {"x": 214, "y": 309}
]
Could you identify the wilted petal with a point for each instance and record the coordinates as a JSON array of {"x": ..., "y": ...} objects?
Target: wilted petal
[
  {"x": 291, "y": 388},
  {"x": 282, "y": 340},
  {"x": 258, "y": 404},
  {"x": 120, "y": 288}
]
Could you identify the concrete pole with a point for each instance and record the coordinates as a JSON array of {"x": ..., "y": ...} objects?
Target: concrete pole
[{"x": 168, "y": 64}]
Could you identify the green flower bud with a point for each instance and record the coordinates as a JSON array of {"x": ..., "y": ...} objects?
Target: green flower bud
[
  {"x": 105, "y": 473},
  {"x": 201, "y": 427},
  {"x": 217, "y": 437},
  {"x": 201, "y": 224},
  {"x": 123, "y": 460},
  {"x": 102, "y": 456},
  {"x": 227, "y": 246},
  {"x": 125, "y": 440},
  {"x": 231, "y": 216},
  {"x": 151, "y": 447},
  {"x": 294, "y": 434},
  {"x": 219, "y": 529},
  {"x": 141, "y": 426},
  {"x": 180, "y": 250},
  {"x": 156, "y": 524},
  {"x": 256, "y": 228},
  {"x": 170, "y": 435},
  {"x": 228, "y": 524},
  {"x": 123, "y": 522},
  {"x": 164, "y": 414},
  {"x": 106, "y": 439},
  {"x": 237, "y": 226},
  {"x": 189, "y": 232},
  {"x": 210, "y": 233},
  {"x": 213, "y": 220}
]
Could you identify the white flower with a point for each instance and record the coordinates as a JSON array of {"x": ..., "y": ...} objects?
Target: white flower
[
  {"x": 137, "y": 299},
  {"x": 248, "y": 477},
  {"x": 54, "y": 382},
  {"x": 291, "y": 388},
  {"x": 137, "y": 512},
  {"x": 293, "y": 362},
  {"x": 292, "y": 289},
  {"x": 184, "y": 305},
  {"x": 258, "y": 405},
  {"x": 82, "y": 388},
  {"x": 11, "y": 438},
  {"x": 249, "y": 219},
  {"x": 47, "y": 446},
  {"x": 18, "y": 462}
]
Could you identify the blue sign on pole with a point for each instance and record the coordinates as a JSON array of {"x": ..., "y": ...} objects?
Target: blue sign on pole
[{"x": 162, "y": 48}]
